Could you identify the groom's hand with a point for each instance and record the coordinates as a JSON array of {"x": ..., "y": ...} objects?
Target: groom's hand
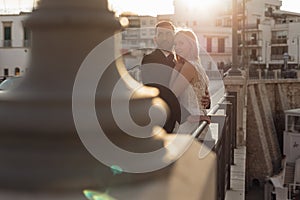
[{"x": 206, "y": 100}]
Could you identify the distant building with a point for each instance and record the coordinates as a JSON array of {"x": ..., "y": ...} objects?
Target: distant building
[
  {"x": 14, "y": 44},
  {"x": 137, "y": 38},
  {"x": 266, "y": 34},
  {"x": 286, "y": 184}
]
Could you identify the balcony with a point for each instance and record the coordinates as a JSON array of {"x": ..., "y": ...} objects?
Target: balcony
[
  {"x": 281, "y": 26},
  {"x": 253, "y": 43},
  {"x": 26, "y": 43},
  {"x": 255, "y": 58},
  {"x": 280, "y": 57},
  {"x": 6, "y": 43},
  {"x": 227, "y": 51},
  {"x": 251, "y": 26},
  {"x": 279, "y": 41}
]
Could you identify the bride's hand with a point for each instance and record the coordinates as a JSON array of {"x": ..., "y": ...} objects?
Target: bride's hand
[{"x": 178, "y": 66}]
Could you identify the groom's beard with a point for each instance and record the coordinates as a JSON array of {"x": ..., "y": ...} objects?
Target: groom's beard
[{"x": 166, "y": 46}]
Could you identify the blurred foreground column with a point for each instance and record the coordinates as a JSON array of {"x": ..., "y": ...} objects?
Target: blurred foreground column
[{"x": 39, "y": 145}]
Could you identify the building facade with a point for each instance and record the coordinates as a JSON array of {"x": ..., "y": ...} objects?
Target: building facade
[
  {"x": 268, "y": 36},
  {"x": 14, "y": 44}
]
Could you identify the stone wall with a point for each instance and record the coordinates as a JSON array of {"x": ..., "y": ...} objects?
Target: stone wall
[{"x": 266, "y": 102}]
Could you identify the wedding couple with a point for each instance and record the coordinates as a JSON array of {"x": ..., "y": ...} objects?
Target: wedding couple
[{"x": 181, "y": 79}]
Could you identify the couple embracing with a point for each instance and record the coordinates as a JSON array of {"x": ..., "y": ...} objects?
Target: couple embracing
[{"x": 179, "y": 76}]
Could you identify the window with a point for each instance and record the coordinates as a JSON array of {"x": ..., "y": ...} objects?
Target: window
[
  {"x": 152, "y": 22},
  {"x": 6, "y": 72},
  {"x": 253, "y": 39},
  {"x": 219, "y": 22},
  {"x": 7, "y": 34},
  {"x": 152, "y": 32},
  {"x": 240, "y": 23},
  {"x": 279, "y": 51},
  {"x": 17, "y": 71},
  {"x": 253, "y": 55},
  {"x": 143, "y": 33},
  {"x": 257, "y": 22},
  {"x": 209, "y": 44},
  {"x": 134, "y": 23},
  {"x": 239, "y": 52},
  {"x": 26, "y": 37},
  {"x": 227, "y": 23},
  {"x": 221, "y": 45}
]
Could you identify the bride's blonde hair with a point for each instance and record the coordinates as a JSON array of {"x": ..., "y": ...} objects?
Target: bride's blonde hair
[{"x": 192, "y": 40}]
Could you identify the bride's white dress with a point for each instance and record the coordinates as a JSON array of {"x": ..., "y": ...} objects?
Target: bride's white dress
[
  {"x": 192, "y": 95},
  {"x": 191, "y": 98}
]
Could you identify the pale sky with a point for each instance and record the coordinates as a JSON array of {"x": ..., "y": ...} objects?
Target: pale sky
[
  {"x": 291, "y": 5},
  {"x": 153, "y": 7},
  {"x": 145, "y": 7}
]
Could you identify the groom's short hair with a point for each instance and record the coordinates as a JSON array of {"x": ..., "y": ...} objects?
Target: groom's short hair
[{"x": 165, "y": 24}]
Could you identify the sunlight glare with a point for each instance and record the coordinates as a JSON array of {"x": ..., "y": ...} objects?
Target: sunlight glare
[
  {"x": 142, "y": 7},
  {"x": 202, "y": 5}
]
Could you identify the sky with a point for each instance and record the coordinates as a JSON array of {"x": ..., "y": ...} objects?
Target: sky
[
  {"x": 290, "y": 5},
  {"x": 144, "y": 7}
]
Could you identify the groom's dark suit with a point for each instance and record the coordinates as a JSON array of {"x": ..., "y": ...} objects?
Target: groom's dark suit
[{"x": 156, "y": 71}]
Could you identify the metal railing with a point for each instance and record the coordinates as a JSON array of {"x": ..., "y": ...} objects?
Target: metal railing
[
  {"x": 6, "y": 43},
  {"x": 225, "y": 115},
  {"x": 15, "y": 43},
  {"x": 293, "y": 192},
  {"x": 273, "y": 74},
  {"x": 279, "y": 41}
]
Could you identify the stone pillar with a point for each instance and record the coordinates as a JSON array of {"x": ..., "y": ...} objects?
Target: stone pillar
[
  {"x": 39, "y": 145},
  {"x": 236, "y": 85}
]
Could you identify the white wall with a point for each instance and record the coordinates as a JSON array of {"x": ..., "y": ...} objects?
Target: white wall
[
  {"x": 294, "y": 41},
  {"x": 12, "y": 58}
]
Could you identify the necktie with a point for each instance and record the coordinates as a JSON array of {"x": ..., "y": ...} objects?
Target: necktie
[{"x": 170, "y": 57}]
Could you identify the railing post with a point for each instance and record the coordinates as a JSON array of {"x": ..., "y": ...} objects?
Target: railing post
[
  {"x": 227, "y": 131},
  {"x": 220, "y": 149},
  {"x": 236, "y": 86},
  {"x": 220, "y": 119},
  {"x": 232, "y": 110}
]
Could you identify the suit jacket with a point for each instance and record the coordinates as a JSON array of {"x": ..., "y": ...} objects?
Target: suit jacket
[
  {"x": 156, "y": 71},
  {"x": 156, "y": 67}
]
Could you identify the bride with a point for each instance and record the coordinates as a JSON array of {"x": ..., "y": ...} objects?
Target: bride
[{"x": 189, "y": 81}]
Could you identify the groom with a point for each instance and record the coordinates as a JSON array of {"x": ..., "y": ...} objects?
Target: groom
[{"x": 156, "y": 71}]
